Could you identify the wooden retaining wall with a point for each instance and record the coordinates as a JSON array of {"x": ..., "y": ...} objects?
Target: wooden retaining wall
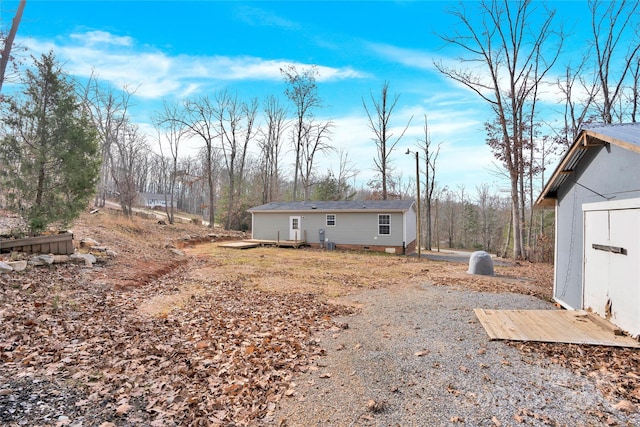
[{"x": 56, "y": 244}]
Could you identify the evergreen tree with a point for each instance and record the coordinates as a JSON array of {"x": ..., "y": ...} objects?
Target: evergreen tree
[{"x": 49, "y": 147}]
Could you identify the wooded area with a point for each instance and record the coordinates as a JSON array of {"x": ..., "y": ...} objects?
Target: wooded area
[{"x": 243, "y": 141}]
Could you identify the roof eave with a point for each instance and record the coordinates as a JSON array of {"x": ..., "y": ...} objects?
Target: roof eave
[
  {"x": 585, "y": 140},
  {"x": 374, "y": 210}
]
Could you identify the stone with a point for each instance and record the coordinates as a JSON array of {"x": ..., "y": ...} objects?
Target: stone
[
  {"x": 41, "y": 260},
  {"x": 60, "y": 259},
  {"x": 481, "y": 263},
  {"x": 111, "y": 254},
  {"x": 88, "y": 242},
  {"x": 79, "y": 258},
  {"x": 17, "y": 265},
  {"x": 177, "y": 252},
  {"x": 5, "y": 268}
]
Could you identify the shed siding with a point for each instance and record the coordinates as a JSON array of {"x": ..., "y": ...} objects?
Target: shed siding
[
  {"x": 611, "y": 171},
  {"x": 351, "y": 228}
]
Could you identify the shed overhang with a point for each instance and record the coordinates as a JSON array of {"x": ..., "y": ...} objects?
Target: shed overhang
[{"x": 588, "y": 138}]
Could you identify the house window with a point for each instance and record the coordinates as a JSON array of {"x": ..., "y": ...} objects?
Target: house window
[
  {"x": 384, "y": 224},
  {"x": 331, "y": 220}
]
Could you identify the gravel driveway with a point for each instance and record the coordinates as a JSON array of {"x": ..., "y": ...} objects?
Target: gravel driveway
[{"x": 418, "y": 356}]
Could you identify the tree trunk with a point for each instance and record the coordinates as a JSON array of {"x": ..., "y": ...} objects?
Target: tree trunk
[{"x": 8, "y": 42}]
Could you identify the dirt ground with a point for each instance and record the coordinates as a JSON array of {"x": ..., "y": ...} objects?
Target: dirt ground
[{"x": 213, "y": 336}]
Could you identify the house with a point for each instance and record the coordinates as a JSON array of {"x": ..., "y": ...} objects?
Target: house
[
  {"x": 596, "y": 194},
  {"x": 377, "y": 225},
  {"x": 155, "y": 200}
]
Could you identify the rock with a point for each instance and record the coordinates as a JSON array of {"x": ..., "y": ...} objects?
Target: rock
[
  {"x": 60, "y": 259},
  {"x": 17, "y": 265},
  {"x": 481, "y": 263},
  {"x": 79, "y": 258},
  {"x": 5, "y": 268},
  {"x": 88, "y": 243},
  {"x": 111, "y": 254},
  {"x": 41, "y": 260},
  {"x": 185, "y": 238},
  {"x": 177, "y": 252}
]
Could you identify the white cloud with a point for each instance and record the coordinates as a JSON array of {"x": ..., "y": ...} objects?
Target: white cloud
[
  {"x": 156, "y": 74},
  {"x": 92, "y": 38},
  {"x": 410, "y": 57}
]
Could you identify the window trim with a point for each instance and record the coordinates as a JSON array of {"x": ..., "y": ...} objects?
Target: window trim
[
  {"x": 388, "y": 224},
  {"x": 335, "y": 220}
]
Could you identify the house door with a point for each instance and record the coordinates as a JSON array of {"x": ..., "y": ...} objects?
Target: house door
[
  {"x": 612, "y": 266},
  {"x": 294, "y": 228}
]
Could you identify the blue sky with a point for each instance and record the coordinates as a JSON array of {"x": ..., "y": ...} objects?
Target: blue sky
[{"x": 173, "y": 50}]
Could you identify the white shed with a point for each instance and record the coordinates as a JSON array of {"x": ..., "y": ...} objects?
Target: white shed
[{"x": 596, "y": 194}]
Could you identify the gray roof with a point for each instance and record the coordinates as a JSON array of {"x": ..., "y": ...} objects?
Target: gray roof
[
  {"x": 624, "y": 132},
  {"x": 350, "y": 205},
  {"x": 625, "y": 135}
]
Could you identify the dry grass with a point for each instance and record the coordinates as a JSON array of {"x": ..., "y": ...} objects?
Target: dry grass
[{"x": 332, "y": 274}]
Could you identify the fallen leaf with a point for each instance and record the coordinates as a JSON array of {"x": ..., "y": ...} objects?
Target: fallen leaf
[
  {"x": 625, "y": 406},
  {"x": 123, "y": 409},
  {"x": 376, "y": 406}
]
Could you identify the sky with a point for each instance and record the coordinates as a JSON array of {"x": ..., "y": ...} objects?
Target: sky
[{"x": 170, "y": 50}]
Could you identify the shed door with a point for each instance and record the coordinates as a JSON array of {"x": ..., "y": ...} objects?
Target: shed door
[
  {"x": 294, "y": 228},
  {"x": 612, "y": 266}
]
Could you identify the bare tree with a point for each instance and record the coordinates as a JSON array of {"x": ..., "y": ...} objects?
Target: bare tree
[
  {"x": 613, "y": 29},
  {"x": 270, "y": 143},
  {"x": 109, "y": 114},
  {"x": 346, "y": 171},
  {"x": 129, "y": 150},
  {"x": 170, "y": 129},
  {"x": 5, "y": 54},
  {"x": 430, "y": 157},
  {"x": 575, "y": 109},
  {"x": 379, "y": 115},
  {"x": 200, "y": 119},
  {"x": 635, "y": 91},
  {"x": 235, "y": 124},
  {"x": 505, "y": 41},
  {"x": 303, "y": 92},
  {"x": 313, "y": 143}
]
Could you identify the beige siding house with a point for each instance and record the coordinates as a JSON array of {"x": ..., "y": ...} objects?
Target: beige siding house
[{"x": 376, "y": 225}]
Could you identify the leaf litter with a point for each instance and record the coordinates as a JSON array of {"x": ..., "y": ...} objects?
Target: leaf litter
[{"x": 214, "y": 338}]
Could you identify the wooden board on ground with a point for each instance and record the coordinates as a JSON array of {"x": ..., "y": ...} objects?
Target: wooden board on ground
[
  {"x": 248, "y": 244},
  {"x": 560, "y": 326},
  {"x": 244, "y": 244}
]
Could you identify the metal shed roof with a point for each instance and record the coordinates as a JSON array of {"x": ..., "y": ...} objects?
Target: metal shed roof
[
  {"x": 625, "y": 135},
  {"x": 350, "y": 205}
]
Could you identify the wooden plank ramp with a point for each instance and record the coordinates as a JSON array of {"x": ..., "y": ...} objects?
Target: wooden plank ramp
[
  {"x": 558, "y": 326},
  {"x": 243, "y": 244},
  {"x": 253, "y": 243}
]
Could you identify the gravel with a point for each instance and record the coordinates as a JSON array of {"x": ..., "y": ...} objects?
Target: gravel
[{"x": 418, "y": 356}]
